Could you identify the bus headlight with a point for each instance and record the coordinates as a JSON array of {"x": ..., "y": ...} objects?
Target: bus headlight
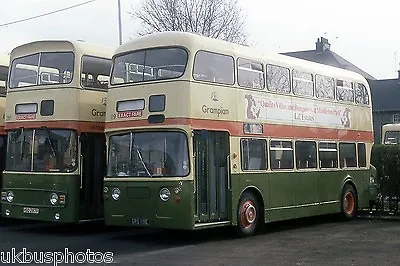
[
  {"x": 115, "y": 193},
  {"x": 53, "y": 198},
  {"x": 164, "y": 194},
  {"x": 10, "y": 196}
]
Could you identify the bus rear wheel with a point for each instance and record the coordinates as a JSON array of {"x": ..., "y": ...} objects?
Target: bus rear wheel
[
  {"x": 248, "y": 215},
  {"x": 349, "y": 202}
]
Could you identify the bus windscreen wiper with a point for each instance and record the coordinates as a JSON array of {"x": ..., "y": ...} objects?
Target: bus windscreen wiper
[
  {"x": 22, "y": 143},
  {"x": 141, "y": 160},
  {"x": 51, "y": 143}
]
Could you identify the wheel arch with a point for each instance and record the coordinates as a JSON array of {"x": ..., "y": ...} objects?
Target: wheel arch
[
  {"x": 257, "y": 193},
  {"x": 348, "y": 180}
]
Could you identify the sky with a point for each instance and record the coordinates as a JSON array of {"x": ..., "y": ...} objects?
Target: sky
[{"x": 363, "y": 32}]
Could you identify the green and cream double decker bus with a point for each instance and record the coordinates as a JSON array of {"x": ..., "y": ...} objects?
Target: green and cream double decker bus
[
  {"x": 4, "y": 62},
  {"x": 204, "y": 133},
  {"x": 55, "y": 113},
  {"x": 391, "y": 134}
]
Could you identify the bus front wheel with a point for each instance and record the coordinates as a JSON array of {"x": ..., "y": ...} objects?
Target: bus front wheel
[
  {"x": 349, "y": 202},
  {"x": 248, "y": 215}
]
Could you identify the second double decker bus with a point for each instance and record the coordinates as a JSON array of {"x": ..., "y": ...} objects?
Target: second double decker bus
[
  {"x": 204, "y": 133},
  {"x": 391, "y": 134},
  {"x": 55, "y": 124}
]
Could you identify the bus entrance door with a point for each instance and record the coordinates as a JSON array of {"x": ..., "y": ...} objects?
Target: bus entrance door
[{"x": 211, "y": 150}]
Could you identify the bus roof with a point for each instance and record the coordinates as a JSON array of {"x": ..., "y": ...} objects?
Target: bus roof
[
  {"x": 198, "y": 42},
  {"x": 78, "y": 47},
  {"x": 391, "y": 126}
]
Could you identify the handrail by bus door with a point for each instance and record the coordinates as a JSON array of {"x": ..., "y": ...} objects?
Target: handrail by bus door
[{"x": 228, "y": 164}]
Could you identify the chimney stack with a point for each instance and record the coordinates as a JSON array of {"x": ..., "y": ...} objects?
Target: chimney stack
[{"x": 322, "y": 45}]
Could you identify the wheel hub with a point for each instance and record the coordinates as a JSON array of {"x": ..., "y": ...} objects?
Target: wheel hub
[{"x": 250, "y": 214}]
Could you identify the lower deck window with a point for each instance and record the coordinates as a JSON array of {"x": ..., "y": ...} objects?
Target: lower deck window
[
  {"x": 254, "y": 154},
  {"x": 306, "y": 154},
  {"x": 328, "y": 155},
  {"x": 347, "y": 155},
  {"x": 362, "y": 155},
  {"x": 281, "y": 155}
]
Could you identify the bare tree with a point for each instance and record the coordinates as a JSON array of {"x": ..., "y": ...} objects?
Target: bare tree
[{"x": 220, "y": 19}]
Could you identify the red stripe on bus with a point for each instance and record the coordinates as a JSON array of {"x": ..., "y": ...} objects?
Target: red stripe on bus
[
  {"x": 80, "y": 126},
  {"x": 269, "y": 130},
  {"x": 2, "y": 132}
]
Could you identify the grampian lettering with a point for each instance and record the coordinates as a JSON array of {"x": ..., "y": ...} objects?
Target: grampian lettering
[{"x": 214, "y": 110}]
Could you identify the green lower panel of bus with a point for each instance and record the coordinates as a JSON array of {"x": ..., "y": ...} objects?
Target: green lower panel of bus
[
  {"x": 290, "y": 195},
  {"x": 280, "y": 196},
  {"x": 162, "y": 204},
  {"x": 43, "y": 197}
]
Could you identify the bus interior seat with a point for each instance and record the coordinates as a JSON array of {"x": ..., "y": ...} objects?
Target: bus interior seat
[{"x": 254, "y": 163}]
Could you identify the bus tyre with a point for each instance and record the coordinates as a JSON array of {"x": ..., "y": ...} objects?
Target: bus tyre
[
  {"x": 248, "y": 215},
  {"x": 349, "y": 202}
]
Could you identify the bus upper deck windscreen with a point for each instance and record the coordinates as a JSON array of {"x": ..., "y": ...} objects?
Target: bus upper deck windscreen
[{"x": 42, "y": 69}]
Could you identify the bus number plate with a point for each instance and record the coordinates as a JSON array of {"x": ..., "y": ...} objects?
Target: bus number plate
[
  {"x": 31, "y": 210},
  {"x": 140, "y": 221}
]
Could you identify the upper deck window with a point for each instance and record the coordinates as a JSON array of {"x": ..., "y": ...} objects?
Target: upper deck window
[
  {"x": 149, "y": 65},
  {"x": 344, "y": 91},
  {"x": 325, "y": 87},
  {"x": 392, "y": 137},
  {"x": 362, "y": 96},
  {"x": 278, "y": 79},
  {"x": 42, "y": 69},
  {"x": 303, "y": 83},
  {"x": 95, "y": 72},
  {"x": 214, "y": 67},
  {"x": 250, "y": 74}
]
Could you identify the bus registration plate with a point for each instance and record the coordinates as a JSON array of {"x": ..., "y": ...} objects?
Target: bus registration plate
[
  {"x": 31, "y": 210},
  {"x": 140, "y": 221}
]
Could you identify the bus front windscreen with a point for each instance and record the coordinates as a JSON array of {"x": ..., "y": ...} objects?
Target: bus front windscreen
[
  {"x": 42, "y": 150},
  {"x": 42, "y": 69},
  {"x": 148, "y": 154},
  {"x": 149, "y": 65}
]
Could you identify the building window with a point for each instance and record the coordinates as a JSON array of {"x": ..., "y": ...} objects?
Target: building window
[{"x": 396, "y": 118}]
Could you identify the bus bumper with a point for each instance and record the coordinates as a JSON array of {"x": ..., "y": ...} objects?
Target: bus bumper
[
  {"x": 139, "y": 204},
  {"x": 38, "y": 213}
]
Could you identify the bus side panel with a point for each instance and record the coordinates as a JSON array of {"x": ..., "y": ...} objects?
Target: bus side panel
[
  {"x": 257, "y": 183},
  {"x": 361, "y": 180}
]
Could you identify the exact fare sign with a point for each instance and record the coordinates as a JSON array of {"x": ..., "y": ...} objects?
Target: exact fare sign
[
  {"x": 25, "y": 117},
  {"x": 129, "y": 114}
]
